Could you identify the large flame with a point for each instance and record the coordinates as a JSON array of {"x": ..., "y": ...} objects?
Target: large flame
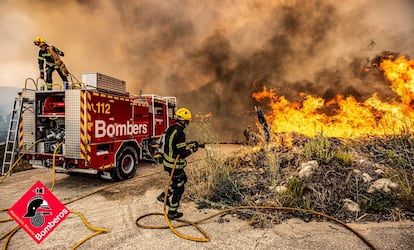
[{"x": 346, "y": 117}]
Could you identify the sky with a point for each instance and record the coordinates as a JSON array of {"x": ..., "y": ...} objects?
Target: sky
[
  {"x": 219, "y": 51},
  {"x": 157, "y": 46}
]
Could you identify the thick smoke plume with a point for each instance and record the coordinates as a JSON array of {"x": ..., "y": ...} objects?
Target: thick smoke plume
[{"x": 213, "y": 54}]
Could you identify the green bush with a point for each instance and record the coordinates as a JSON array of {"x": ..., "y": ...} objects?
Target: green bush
[
  {"x": 319, "y": 149},
  {"x": 225, "y": 187}
]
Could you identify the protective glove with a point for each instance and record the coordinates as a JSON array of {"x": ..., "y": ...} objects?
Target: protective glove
[
  {"x": 194, "y": 147},
  {"x": 42, "y": 75}
]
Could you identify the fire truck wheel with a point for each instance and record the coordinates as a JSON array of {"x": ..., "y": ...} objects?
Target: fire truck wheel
[{"x": 126, "y": 164}]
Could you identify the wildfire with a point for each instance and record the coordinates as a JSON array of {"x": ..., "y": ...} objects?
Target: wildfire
[{"x": 346, "y": 117}]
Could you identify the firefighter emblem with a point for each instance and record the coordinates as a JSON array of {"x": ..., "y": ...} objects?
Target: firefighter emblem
[
  {"x": 39, "y": 213},
  {"x": 37, "y": 208}
]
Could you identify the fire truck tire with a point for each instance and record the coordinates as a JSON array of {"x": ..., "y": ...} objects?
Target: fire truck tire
[{"x": 126, "y": 164}]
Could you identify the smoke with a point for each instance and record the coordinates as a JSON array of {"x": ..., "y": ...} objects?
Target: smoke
[{"x": 215, "y": 52}]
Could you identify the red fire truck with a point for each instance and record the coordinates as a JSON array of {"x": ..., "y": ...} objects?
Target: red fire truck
[{"x": 95, "y": 127}]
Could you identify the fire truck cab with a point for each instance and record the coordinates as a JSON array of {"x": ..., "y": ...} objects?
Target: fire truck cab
[{"x": 94, "y": 127}]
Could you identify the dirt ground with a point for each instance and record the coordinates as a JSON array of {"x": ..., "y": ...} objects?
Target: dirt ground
[{"x": 118, "y": 207}]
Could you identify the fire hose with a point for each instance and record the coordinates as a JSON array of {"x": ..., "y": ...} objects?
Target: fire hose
[
  {"x": 9, "y": 235},
  {"x": 185, "y": 223},
  {"x": 96, "y": 230},
  {"x": 206, "y": 238},
  {"x": 58, "y": 60}
]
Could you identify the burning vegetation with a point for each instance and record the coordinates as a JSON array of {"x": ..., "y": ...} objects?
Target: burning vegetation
[
  {"x": 351, "y": 160},
  {"x": 345, "y": 117}
]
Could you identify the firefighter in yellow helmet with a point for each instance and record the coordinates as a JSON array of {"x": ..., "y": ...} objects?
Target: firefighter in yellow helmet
[
  {"x": 175, "y": 146},
  {"x": 50, "y": 56}
]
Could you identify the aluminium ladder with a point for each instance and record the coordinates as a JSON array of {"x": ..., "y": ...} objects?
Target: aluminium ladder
[{"x": 12, "y": 138}]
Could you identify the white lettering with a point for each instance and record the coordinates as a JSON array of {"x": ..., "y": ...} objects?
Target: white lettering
[
  {"x": 102, "y": 129},
  {"x": 51, "y": 224},
  {"x": 110, "y": 130},
  {"x": 121, "y": 129}
]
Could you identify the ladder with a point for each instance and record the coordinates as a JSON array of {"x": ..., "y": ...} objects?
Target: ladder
[{"x": 12, "y": 138}]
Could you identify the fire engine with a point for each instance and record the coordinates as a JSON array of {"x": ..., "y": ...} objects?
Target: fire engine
[{"x": 94, "y": 127}]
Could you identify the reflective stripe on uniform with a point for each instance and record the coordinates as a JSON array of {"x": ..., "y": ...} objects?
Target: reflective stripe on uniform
[
  {"x": 169, "y": 159},
  {"x": 181, "y": 183},
  {"x": 173, "y": 207},
  {"x": 169, "y": 162},
  {"x": 50, "y": 64},
  {"x": 170, "y": 149}
]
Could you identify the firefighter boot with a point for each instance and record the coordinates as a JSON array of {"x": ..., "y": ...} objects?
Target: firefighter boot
[
  {"x": 160, "y": 198},
  {"x": 174, "y": 215}
]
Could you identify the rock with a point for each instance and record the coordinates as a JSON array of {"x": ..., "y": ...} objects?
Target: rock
[
  {"x": 382, "y": 184},
  {"x": 365, "y": 163},
  {"x": 366, "y": 177},
  {"x": 351, "y": 205},
  {"x": 307, "y": 168},
  {"x": 281, "y": 189},
  {"x": 379, "y": 171}
]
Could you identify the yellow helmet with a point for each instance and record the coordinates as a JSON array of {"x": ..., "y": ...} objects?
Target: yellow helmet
[
  {"x": 183, "y": 114},
  {"x": 39, "y": 41}
]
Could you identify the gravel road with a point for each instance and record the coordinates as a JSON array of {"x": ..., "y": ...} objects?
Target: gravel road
[{"x": 118, "y": 207}]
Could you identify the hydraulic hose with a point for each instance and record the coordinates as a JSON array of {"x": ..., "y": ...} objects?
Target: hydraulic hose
[
  {"x": 206, "y": 238},
  {"x": 97, "y": 230},
  {"x": 184, "y": 223},
  {"x": 172, "y": 228},
  {"x": 9, "y": 234},
  {"x": 18, "y": 159}
]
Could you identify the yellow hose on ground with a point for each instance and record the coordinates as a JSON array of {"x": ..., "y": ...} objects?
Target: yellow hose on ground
[
  {"x": 206, "y": 238},
  {"x": 9, "y": 171},
  {"x": 172, "y": 228},
  {"x": 97, "y": 230},
  {"x": 18, "y": 159},
  {"x": 8, "y": 235},
  {"x": 5, "y": 220}
]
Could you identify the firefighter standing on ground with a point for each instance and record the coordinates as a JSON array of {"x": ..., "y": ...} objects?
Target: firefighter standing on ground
[
  {"x": 51, "y": 56},
  {"x": 175, "y": 145}
]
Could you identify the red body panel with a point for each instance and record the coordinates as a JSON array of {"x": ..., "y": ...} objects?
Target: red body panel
[{"x": 107, "y": 124}]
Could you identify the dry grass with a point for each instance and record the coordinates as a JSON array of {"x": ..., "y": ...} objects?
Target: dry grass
[
  {"x": 255, "y": 177},
  {"x": 20, "y": 166}
]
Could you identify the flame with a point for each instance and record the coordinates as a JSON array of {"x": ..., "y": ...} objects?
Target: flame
[
  {"x": 346, "y": 117},
  {"x": 401, "y": 75}
]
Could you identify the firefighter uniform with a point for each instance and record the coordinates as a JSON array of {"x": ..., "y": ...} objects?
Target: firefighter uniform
[
  {"x": 45, "y": 57},
  {"x": 175, "y": 152}
]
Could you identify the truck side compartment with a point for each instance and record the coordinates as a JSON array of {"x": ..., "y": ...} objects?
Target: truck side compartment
[{"x": 93, "y": 130}]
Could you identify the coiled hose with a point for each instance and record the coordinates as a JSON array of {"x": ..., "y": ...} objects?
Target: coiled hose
[
  {"x": 9, "y": 234},
  {"x": 205, "y": 238}
]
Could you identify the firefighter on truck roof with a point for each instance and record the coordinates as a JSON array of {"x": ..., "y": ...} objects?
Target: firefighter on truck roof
[
  {"x": 176, "y": 146},
  {"x": 51, "y": 56}
]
